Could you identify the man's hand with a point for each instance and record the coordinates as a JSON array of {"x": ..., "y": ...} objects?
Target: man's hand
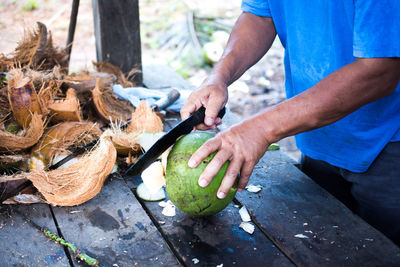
[
  {"x": 212, "y": 95},
  {"x": 243, "y": 144}
]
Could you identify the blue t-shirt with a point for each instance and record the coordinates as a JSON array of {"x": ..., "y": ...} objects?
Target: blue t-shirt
[{"x": 321, "y": 36}]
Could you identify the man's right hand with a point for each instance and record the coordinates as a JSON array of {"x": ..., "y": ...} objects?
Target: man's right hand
[{"x": 212, "y": 95}]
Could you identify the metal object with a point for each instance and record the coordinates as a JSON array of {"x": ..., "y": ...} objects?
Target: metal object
[{"x": 184, "y": 127}]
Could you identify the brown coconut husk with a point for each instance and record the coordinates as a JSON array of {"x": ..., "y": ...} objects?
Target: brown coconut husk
[
  {"x": 67, "y": 109},
  {"x": 29, "y": 137},
  {"x": 109, "y": 106},
  {"x": 64, "y": 138},
  {"x": 23, "y": 98},
  {"x": 112, "y": 69},
  {"x": 37, "y": 51},
  {"x": 80, "y": 181},
  {"x": 86, "y": 81},
  {"x": 5, "y": 108},
  {"x": 125, "y": 143},
  {"x": 144, "y": 120}
]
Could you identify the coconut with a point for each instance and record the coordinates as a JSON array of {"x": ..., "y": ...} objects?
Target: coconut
[
  {"x": 182, "y": 182},
  {"x": 62, "y": 138},
  {"x": 109, "y": 106},
  {"x": 145, "y": 120},
  {"x": 23, "y": 100},
  {"x": 28, "y": 137},
  {"x": 112, "y": 69},
  {"x": 125, "y": 143},
  {"x": 67, "y": 109},
  {"x": 82, "y": 180}
]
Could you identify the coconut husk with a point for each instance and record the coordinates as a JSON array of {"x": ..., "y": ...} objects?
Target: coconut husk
[
  {"x": 144, "y": 120},
  {"x": 67, "y": 109},
  {"x": 13, "y": 162},
  {"x": 79, "y": 182},
  {"x": 86, "y": 81},
  {"x": 63, "y": 138},
  {"x": 109, "y": 106},
  {"x": 29, "y": 137},
  {"x": 37, "y": 51},
  {"x": 23, "y": 98},
  {"x": 112, "y": 69},
  {"x": 5, "y": 108},
  {"x": 125, "y": 143}
]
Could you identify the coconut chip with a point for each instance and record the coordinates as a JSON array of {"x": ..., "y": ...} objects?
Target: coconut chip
[
  {"x": 248, "y": 227},
  {"x": 169, "y": 209},
  {"x": 244, "y": 214},
  {"x": 301, "y": 236},
  {"x": 253, "y": 188}
]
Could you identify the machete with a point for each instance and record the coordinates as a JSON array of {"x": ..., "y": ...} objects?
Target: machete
[{"x": 168, "y": 139}]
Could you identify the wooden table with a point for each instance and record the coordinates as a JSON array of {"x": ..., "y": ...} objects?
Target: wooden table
[{"x": 119, "y": 229}]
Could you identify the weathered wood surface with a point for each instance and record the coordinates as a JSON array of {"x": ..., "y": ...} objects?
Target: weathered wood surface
[
  {"x": 117, "y": 32},
  {"x": 114, "y": 229},
  {"x": 217, "y": 239},
  {"x": 21, "y": 244},
  {"x": 290, "y": 203}
]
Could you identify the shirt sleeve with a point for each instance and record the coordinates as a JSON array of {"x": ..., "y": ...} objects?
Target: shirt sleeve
[
  {"x": 376, "y": 28},
  {"x": 257, "y": 7}
]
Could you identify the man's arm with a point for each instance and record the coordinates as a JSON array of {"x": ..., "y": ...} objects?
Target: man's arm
[
  {"x": 334, "y": 97},
  {"x": 250, "y": 39}
]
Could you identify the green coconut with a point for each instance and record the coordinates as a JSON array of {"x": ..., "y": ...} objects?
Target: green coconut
[{"x": 182, "y": 182}]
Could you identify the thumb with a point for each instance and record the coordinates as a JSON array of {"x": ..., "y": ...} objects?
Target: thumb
[{"x": 214, "y": 105}]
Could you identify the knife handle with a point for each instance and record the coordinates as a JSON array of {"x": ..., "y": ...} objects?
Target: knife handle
[{"x": 199, "y": 115}]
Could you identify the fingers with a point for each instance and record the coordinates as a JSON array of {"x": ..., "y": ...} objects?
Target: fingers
[
  {"x": 214, "y": 105},
  {"x": 245, "y": 173},
  {"x": 206, "y": 149},
  {"x": 230, "y": 177},
  {"x": 213, "y": 168}
]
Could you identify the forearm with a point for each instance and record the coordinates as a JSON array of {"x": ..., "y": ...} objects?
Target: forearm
[
  {"x": 250, "y": 39},
  {"x": 334, "y": 97}
]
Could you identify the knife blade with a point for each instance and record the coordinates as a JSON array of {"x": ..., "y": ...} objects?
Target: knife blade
[{"x": 168, "y": 139}]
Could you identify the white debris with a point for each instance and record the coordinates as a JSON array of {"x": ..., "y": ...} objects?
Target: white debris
[
  {"x": 195, "y": 260},
  {"x": 301, "y": 236},
  {"x": 236, "y": 206},
  {"x": 247, "y": 226},
  {"x": 221, "y": 265},
  {"x": 253, "y": 188},
  {"x": 169, "y": 209},
  {"x": 305, "y": 224},
  {"x": 162, "y": 204},
  {"x": 308, "y": 232},
  {"x": 75, "y": 211},
  {"x": 244, "y": 214}
]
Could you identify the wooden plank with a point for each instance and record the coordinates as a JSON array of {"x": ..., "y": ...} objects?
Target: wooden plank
[
  {"x": 114, "y": 229},
  {"x": 117, "y": 32},
  {"x": 217, "y": 239},
  {"x": 290, "y": 203},
  {"x": 24, "y": 245}
]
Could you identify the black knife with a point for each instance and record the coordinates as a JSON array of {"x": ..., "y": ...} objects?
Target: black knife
[{"x": 168, "y": 139}]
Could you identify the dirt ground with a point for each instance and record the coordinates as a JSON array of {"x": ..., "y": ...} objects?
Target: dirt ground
[{"x": 161, "y": 22}]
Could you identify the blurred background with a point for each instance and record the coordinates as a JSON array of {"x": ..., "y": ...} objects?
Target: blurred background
[{"x": 187, "y": 35}]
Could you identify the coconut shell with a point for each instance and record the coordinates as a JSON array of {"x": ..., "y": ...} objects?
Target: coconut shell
[
  {"x": 67, "y": 109},
  {"x": 59, "y": 138},
  {"x": 79, "y": 182},
  {"x": 109, "y": 106},
  {"x": 30, "y": 136},
  {"x": 144, "y": 120}
]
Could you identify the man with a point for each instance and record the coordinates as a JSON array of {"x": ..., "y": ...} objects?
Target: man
[{"x": 342, "y": 72}]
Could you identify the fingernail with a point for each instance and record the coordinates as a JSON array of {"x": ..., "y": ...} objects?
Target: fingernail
[
  {"x": 240, "y": 190},
  {"x": 203, "y": 183},
  {"x": 221, "y": 195},
  {"x": 209, "y": 121},
  {"x": 191, "y": 163}
]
